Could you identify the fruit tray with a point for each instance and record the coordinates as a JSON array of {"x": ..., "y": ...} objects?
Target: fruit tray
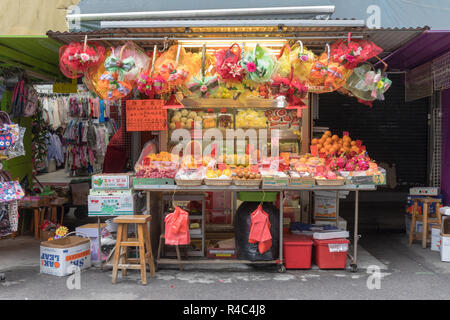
[
  {"x": 189, "y": 183},
  {"x": 218, "y": 182},
  {"x": 330, "y": 182},
  {"x": 247, "y": 182},
  {"x": 302, "y": 182}
]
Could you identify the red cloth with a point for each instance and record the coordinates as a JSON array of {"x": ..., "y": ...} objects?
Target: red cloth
[{"x": 260, "y": 230}]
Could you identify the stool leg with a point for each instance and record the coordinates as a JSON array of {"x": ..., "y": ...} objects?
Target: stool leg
[
  {"x": 412, "y": 229},
  {"x": 425, "y": 225},
  {"x": 177, "y": 248},
  {"x": 124, "y": 255},
  {"x": 161, "y": 239},
  {"x": 37, "y": 219},
  {"x": 149, "y": 251},
  {"x": 142, "y": 254},
  {"x": 117, "y": 253},
  {"x": 62, "y": 214}
]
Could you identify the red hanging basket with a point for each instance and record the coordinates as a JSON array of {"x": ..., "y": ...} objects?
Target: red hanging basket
[{"x": 77, "y": 57}]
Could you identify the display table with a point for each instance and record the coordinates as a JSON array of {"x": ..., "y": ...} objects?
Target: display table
[{"x": 174, "y": 189}]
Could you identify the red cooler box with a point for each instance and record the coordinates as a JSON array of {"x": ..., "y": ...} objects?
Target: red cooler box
[
  {"x": 331, "y": 253},
  {"x": 297, "y": 251}
]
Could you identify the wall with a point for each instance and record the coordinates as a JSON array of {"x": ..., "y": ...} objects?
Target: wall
[
  {"x": 33, "y": 17},
  {"x": 394, "y": 131},
  {"x": 445, "y": 169}
]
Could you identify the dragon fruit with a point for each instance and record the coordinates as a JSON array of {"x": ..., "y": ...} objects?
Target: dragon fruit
[
  {"x": 332, "y": 163},
  {"x": 363, "y": 165},
  {"x": 350, "y": 166},
  {"x": 341, "y": 161}
]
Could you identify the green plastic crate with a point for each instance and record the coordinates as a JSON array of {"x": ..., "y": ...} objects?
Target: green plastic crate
[{"x": 251, "y": 196}]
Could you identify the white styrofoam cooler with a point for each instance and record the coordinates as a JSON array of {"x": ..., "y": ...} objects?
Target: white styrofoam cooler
[
  {"x": 330, "y": 234},
  {"x": 435, "y": 238}
]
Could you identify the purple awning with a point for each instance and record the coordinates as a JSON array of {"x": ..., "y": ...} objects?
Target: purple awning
[{"x": 428, "y": 46}]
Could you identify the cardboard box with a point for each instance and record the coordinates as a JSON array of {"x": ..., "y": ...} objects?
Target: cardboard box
[
  {"x": 101, "y": 192},
  {"x": 111, "y": 205},
  {"x": 58, "y": 255},
  {"x": 324, "y": 208},
  {"x": 112, "y": 181},
  {"x": 435, "y": 238},
  {"x": 91, "y": 230},
  {"x": 445, "y": 239}
]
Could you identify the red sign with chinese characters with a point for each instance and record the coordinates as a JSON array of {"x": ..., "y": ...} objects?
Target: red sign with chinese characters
[{"x": 146, "y": 115}]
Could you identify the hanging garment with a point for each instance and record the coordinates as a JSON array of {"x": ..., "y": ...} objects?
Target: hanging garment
[{"x": 5, "y": 224}]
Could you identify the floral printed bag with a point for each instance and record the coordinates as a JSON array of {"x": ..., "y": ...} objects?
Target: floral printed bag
[{"x": 9, "y": 190}]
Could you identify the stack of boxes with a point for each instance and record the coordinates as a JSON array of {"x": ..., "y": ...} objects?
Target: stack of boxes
[{"x": 111, "y": 195}]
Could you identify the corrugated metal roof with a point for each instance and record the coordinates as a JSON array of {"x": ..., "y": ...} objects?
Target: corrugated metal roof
[{"x": 312, "y": 37}]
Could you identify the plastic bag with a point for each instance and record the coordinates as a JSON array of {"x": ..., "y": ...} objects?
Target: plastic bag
[
  {"x": 367, "y": 84},
  {"x": 302, "y": 61},
  {"x": 327, "y": 75},
  {"x": 260, "y": 230},
  {"x": 284, "y": 83},
  {"x": 351, "y": 53},
  {"x": 227, "y": 64},
  {"x": 250, "y": 251},
  {"x": 258, "y": 63},
  {"x": 76, "y": 58},
  {"x": 170, "y": 67},
  {"x": 123, "y": 67},
  {"x": 92, "y": 79},
  {"x": 201, "y": 85},
  {"x": 177, "y": 228},
  {"x": 152, "y": 84}
]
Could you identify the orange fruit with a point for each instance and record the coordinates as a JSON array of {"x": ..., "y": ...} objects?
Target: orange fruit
[
  {"x": 323, "y": 150},
  {"x": 347, "y": 139},
  {"x": 328, "y": 133},
  {"x": 335, "y": 137},
  {"x": 319, "y": 146},
  {"x": 353, "y": 143},
  {"x": 314, "y": 141},
  {"x": 329, "y": 140}
]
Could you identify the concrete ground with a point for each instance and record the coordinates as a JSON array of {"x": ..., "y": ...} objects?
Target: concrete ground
[{"x": 405, "y": 273}]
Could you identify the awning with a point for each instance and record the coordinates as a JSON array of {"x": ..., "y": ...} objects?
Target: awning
[
  {"x": 37, "y": 55},
  {"x": 426, "y": 47}
]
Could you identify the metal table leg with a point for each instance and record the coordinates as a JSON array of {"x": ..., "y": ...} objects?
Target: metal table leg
[
  {"x": 100, "y": 243},
  {"x": 281, "y": 267},
  {"x": 354, "y": 264}
]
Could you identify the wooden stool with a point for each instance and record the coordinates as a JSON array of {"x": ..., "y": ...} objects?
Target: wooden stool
[
  {"x": 416, "y": 216},
  {"x": 142, "y": 241},
  {"x": 177, "y": 248},
  {"x": 35, "y": 220}
]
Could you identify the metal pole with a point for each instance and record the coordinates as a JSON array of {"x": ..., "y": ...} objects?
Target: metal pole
[
  {"x": 100, "y": 243},
  {"x": 281, "y": 227},
  {"x": 208, "y": 13},
  {"x": 355, "y": 235}
]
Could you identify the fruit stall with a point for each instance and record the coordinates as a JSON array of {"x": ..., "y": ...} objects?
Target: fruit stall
[{"x": 234, "y": 115}]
